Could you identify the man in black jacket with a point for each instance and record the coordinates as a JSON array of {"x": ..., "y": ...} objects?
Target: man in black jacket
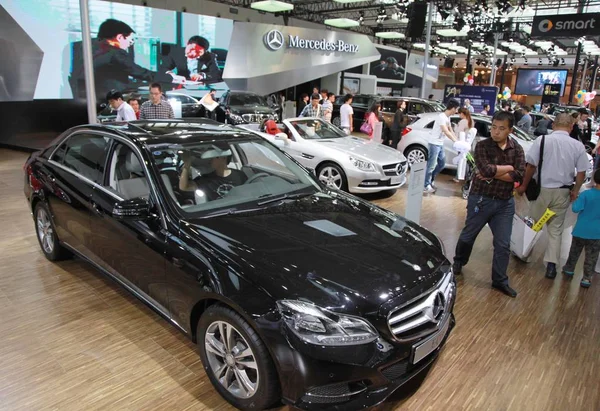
[
  {"x": 585, "y": 121},
  {"x": 196, "y": 63},
  {"x": 113, "y": 65}
]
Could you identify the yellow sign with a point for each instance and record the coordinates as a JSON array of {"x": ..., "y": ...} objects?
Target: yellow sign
[{"x": 542, "y": 221}]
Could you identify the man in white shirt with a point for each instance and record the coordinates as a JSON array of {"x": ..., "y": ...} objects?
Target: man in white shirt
[
  {"x": 347, "y": 114},
  {"x": 436, "y": 160},
  {"x": 564, "y": 160},
  {"x": 124, "y": 111},
  {"x": 468, "y": 106}
]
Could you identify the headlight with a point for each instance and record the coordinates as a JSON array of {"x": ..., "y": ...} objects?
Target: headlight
[
  {"x": 236, "y": 118},
  {"x": 362, "y": 164},
  {"x": 318, "y": 326}
]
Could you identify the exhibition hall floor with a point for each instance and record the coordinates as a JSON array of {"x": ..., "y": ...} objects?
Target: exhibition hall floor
[{"x": 72, "y": 339}]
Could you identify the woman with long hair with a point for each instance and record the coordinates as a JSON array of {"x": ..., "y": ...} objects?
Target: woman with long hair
[
  {"x": 576, "y": 131},
  {"x": 372, "y": 118},
  {"x": 464, "y": 125},
  {"x": 398, "y": 125}
]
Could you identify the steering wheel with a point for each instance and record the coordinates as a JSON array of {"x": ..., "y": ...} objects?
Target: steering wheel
[{"x": 257, "y": 176}]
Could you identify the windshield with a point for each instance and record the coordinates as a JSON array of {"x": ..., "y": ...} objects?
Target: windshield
[
  {"x": 228, "y": 175},
  {"x": 522, "y": 135},
  {"x": 247, "y": 99},
  {"x": 316, "y": 129},
  {"x": 438, "y": 106}
]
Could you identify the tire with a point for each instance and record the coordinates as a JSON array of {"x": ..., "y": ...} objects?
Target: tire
[
  {"x": 337, "y": 121},
  {"x": 414, "y": 154},
  {"x": 328, "y": 173},
  {"x": 263, "y": 388},
  {"x": 46, "y": 234}
]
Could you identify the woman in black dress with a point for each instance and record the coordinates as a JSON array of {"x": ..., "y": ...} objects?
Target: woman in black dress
[{"x": 398, "y": 125}]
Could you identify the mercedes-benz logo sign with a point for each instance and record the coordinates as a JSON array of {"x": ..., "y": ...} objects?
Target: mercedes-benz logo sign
[
  {"x": 545, "y": 26},
  {"x": 438, "y": 306},
  {"x": 274, "y": 40}
]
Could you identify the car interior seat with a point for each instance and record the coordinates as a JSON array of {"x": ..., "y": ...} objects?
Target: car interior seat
[
  {"x": 89, "y": 161},
  {"x": 137, "y": 185}
]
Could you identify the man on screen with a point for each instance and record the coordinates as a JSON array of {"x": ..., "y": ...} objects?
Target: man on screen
[
  {"x": 196, "y": 63},
  {"x": 113, "y": 65}
]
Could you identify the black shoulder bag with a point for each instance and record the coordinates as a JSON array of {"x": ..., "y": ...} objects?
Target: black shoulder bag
[{"x": 533, "y": 188}]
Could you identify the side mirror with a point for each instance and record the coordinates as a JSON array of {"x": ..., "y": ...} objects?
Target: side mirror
[
  {"x": 136, "y": 209},
  {"x": 282, "y": 137}
]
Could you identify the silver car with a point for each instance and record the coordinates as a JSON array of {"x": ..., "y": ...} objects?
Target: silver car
[{"x": 345, "y": 162}]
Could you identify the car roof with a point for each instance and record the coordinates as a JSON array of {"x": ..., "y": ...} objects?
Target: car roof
[{"x": 151, "y": 132}]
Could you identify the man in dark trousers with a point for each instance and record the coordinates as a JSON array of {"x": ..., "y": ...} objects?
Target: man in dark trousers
[
  {"x": 500, "y": 162},
  {"x": 195, "y": 63}
]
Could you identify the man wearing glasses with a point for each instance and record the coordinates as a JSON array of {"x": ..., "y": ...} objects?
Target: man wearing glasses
[{"x": 156, "y": 108}]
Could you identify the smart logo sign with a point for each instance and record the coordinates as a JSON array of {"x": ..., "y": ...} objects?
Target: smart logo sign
[
  {"x": 569, "y": 25},
  {"x": 275, "y": 40}
]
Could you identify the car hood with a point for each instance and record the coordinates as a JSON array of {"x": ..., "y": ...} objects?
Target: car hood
[
  {"x": 364, "y": 148},
  {"x": 251, "y": 109},
  {"x": 328, "y": 248}
]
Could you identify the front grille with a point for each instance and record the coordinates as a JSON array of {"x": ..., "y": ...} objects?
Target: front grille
[
  {"x": 334, "y": 393},
  {"x": 396, "y": 169},
  {"x": 257, "y": 118},
  {"x": 424, "y": 315},
  {"x": 395, "y": 371}
]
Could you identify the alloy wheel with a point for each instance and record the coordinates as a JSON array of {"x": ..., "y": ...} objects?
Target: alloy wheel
[
  {"x": 45, "y": 231},
  {"x": 415, "y": 156},
  {"x": 231, "y": 359},
  {"x": 331, "y": 177}
]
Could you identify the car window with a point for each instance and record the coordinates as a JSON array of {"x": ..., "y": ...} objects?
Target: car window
[
  {"x": 389, "y": 106},
  {"x": 84, "y": 154},
  {"x": 430, "y": 125},
  {"x": 361, "y": 101},
  {"x": 483, "y": 129},
  {"x": 181, "y": 98},
  {"x": 247, "y": 99},
  {"x": 126, "y": 173}
]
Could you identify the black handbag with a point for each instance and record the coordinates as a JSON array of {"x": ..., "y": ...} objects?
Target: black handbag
[{"x": 532, "y": 192}]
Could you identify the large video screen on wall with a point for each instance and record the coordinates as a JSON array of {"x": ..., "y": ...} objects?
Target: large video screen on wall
[
  {"x": 390, "y": 66},
  {"x": 132, "y": 46},
  {"x": 531, "y": 81}
]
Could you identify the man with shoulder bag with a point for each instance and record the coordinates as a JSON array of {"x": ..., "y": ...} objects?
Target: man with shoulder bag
[{"x": 560, "y": 163}]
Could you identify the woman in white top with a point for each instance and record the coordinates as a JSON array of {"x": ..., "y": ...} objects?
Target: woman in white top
[{"x": 464, "y": 125}]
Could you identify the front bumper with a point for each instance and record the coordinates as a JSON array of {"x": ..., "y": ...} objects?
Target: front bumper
[
  {"x": 368, "y": 182},
  {"x": 336, "y": 386}
]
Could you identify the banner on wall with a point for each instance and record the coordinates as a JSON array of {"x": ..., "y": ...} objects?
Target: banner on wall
[
  {"x": 478, "y": 95},
  {"x": 551, "y": 93},
  {"x": 132, "y": 46}
]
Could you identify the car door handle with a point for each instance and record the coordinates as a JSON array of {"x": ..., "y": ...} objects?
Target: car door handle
[{"x": 178, "y": 262}]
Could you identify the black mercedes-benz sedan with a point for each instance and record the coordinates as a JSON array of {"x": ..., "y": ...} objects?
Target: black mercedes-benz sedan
[{"x": 293, "y": 292}]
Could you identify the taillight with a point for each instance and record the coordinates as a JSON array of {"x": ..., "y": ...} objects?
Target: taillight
[{"x": 406, "y": 130}]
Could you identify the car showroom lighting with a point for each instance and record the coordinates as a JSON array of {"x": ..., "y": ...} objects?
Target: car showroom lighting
[
  {"x": 341, "y": 23},
  {"x": 525, "y": 62},
  {"x": 540, "y": 62},
  {"x": 348, "y": 1},
  {"x": 272, "y": 6},
  {"x": 390, "y": 35}
]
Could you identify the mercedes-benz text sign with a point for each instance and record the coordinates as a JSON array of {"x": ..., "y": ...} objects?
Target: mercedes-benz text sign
[{"x": 274, "y": 40}]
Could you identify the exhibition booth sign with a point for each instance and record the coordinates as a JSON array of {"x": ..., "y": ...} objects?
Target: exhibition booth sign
[
  {"x": 478, "y": 95},
  {"x": 266, "y": 58},
  {"x": 566, "y": 25}
]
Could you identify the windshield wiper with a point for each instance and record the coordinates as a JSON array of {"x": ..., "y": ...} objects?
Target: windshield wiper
[{"x": 272, "y": 199}]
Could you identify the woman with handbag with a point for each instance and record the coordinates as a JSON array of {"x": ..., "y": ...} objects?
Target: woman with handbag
[{"x": 371, "y": 118}]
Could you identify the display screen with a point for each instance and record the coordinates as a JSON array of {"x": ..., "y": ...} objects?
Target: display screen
[
  {"x": 531, "y": 81},
  {"x": 390, "y": 66},
  {"x": 132, "y": 46}
]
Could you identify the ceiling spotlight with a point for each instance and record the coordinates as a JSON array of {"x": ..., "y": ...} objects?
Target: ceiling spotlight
[
  {"x": 525, "y": 62},
  {"x": 361, "y": 18},
  {"x": 540, "y": 62},
  {"x": 562, "y": 62}
]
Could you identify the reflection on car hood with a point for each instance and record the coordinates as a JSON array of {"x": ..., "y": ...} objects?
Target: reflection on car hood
[
  {"x": 328, "y": 248},
  {"x": 365, "y": 148}
]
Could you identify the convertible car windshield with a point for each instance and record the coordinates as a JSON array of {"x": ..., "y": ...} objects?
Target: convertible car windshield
[
  {"x": 316, "y": 129},
  {"x": 226, "y": 175}
]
